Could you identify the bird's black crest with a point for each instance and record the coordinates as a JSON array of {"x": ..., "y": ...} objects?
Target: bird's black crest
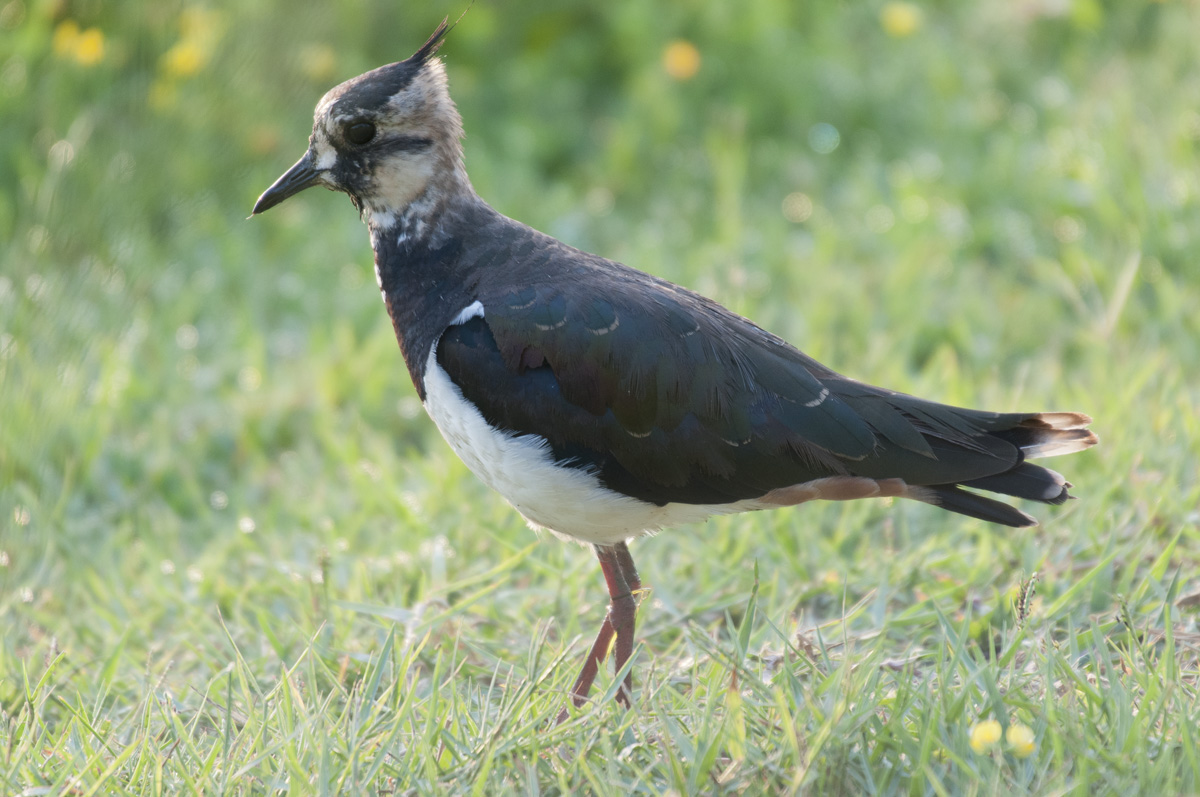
[
  {"x": 435, "y": 41},
  {"x": 374, "y": 89}
]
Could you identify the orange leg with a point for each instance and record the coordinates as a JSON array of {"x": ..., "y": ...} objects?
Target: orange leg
[{"x": 622, "y": 579}]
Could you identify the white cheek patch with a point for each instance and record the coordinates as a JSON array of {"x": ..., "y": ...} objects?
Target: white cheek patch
[
  {"x": 326, "y": 155},
  {"x": 400, "y": 180}
]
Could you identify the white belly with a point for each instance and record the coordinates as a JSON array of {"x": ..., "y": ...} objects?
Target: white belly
[{"x": 570, "y": 502}]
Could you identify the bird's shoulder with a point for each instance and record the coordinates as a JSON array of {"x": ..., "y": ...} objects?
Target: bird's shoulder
[{"x": 621, "y": 339}]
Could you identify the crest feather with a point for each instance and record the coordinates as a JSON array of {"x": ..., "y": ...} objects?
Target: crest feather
[{"x": 431, "y": 46}]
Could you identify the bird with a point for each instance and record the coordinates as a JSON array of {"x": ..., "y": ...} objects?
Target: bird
[{"x": 604, "y": 403}]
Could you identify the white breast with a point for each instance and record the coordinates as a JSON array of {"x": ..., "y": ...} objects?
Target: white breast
[{"x": 570, "y": 502}]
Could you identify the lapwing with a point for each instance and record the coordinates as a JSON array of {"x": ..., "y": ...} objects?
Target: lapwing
[{"x": 604, "y": 403}]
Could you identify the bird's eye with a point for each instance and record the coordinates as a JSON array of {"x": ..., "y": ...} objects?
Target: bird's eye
[{"x": 360, "y": 133}]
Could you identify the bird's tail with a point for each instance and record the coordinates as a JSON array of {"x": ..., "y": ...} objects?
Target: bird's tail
[{"x": 1047, "y": 434}]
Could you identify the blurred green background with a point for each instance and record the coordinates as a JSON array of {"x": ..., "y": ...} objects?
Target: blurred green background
[{"x": 208, "y": 439}]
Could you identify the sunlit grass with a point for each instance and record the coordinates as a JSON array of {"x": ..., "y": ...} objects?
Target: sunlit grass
[{"x": 236, "y": 558}]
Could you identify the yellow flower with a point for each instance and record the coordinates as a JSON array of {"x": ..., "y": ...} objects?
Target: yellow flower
[
  {"x": 681, "y": 60},
  {"x": 984, "y": 735},
  {"x": 200, "y": 29},
  {"x": 85, "y": 47},
  {"x": 900, "y": 19},
  {"x": 184, "y": 59},
  {"x": 89, "y": 47},
  {"x": 65, "y": 36},
  {"x": 1020, "y": 739}
]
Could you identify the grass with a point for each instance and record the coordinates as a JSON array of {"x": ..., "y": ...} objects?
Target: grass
[{"x": 236, "y": 558}]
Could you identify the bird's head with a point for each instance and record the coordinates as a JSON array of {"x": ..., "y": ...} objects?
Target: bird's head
[{"x": 386, "y": 138}]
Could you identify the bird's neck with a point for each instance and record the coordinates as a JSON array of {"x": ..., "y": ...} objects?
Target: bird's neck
[
  {"x": 418, "y": 264},
  {"x": 422, "y": 220}
]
